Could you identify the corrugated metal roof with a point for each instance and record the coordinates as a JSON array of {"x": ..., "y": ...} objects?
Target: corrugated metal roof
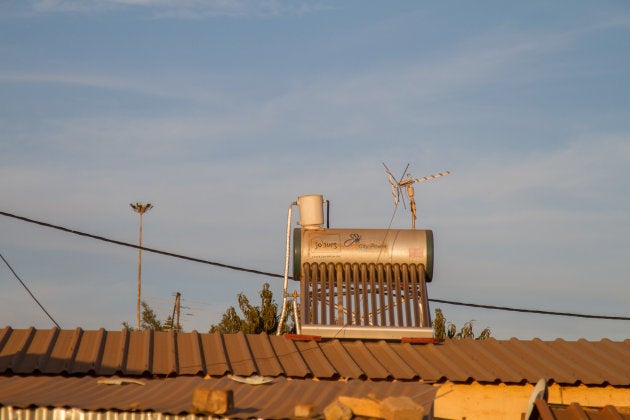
[
  {"x": 166, "y": 354},
  {"x": 574, "y": 411},
  {"x": 273, "y": 400},
  {"x": 62, "y": 413}
]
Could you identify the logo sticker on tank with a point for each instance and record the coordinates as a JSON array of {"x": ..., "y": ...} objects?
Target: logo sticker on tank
[{"x": 325, "y": 246}]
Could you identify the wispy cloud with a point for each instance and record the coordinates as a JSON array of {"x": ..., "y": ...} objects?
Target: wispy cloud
[
  {"x": 183, "y": 9},
  {"x": 101, "y": 82},
  {"x": 176, "y": 87}
]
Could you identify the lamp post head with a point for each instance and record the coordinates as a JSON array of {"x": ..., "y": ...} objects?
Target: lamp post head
[{"x": 141, "y": 208}]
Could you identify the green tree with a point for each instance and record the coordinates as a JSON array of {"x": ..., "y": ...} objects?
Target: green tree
[
  {"x": 150, "y": 321},
  {"x": 230, "y": 323},
  {"x": 255, "y": 319},
  {"x": 168, "y": 325},
  {"x": 444, "y": 329}
]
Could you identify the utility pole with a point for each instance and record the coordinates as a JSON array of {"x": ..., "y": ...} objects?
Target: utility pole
[
  {"x": 178, "y": 305},
  {"x": 176, "y": 308},
  {"x": 140, "y": 209}
]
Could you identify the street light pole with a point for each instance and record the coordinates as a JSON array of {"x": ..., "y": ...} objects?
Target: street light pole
[{"x": 140, "y": 209}]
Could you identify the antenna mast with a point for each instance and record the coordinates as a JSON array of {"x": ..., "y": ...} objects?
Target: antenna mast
[{"x": 408, "y": 184}]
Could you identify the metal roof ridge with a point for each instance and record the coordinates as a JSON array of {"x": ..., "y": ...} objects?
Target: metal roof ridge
[
  {"x": 6, "y": 331},
  {"x": 78, "y": 352}
]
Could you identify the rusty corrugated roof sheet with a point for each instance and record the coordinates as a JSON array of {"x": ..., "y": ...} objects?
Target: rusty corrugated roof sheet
[
  {"x": 274, "y": 400},
  {"x": 165, "y": 354},
  {"x": 545, "y": 411}
]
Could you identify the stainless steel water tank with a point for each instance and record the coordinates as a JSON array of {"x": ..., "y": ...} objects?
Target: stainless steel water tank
[{"x": 393, "y": 246}]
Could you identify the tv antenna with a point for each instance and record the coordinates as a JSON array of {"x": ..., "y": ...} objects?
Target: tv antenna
[{"x": 406, "y": 181}]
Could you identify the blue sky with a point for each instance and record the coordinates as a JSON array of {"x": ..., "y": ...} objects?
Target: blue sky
[{"x": 222, "y": 113}]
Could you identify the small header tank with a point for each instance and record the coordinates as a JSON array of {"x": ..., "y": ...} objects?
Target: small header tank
[
  {"x": 311, "y": 211},
  {"x": 385, "y": 246}
]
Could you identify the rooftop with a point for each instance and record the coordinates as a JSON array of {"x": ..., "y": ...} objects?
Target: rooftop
[{"x": 166, "y": 354}]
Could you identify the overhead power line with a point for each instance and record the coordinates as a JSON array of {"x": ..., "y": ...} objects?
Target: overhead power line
[
  {"x": 29, "y": 292},
  {"x": 531, "y": 311},
  {"x": 130, "y": 245},
  {"x": 265, "y": 273}
]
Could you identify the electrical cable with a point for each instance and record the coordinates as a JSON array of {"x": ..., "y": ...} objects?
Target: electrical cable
[
  {"x": 130, "y": 245},
  {"x": 265, "y": 273},
  {"x": 531, "y": 311},
  {"x": 29, "y": 292}
]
